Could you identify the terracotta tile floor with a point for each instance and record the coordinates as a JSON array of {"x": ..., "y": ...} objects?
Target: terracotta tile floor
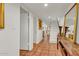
[{"x": 44, "y": 48}]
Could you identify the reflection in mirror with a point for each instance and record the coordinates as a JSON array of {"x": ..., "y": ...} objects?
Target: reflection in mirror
[{"x": 69, "y": 26}]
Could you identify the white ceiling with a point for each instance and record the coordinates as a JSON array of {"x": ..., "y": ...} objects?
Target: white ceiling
[{"x": 53, "y": 9}]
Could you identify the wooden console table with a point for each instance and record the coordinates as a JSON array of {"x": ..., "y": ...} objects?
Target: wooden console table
[{"x": 67, "y": 47}]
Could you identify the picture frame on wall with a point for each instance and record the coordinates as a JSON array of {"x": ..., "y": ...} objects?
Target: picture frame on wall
[
  {"x": 40, "y": 24},
  {"x": 1, "y": 15}
]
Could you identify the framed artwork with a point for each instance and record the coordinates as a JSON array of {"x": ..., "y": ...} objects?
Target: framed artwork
[
  {"x": 1, "y": 16},
  {"x": 40, "y": 23}
]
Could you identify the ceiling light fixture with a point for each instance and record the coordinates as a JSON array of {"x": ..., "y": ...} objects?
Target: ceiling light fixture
[{"x": 45, "y": 4}]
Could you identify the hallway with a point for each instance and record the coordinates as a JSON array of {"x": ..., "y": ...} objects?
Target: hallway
[
  {"x": 39, "y": 29},
  {"x": 44, "y": 48}
]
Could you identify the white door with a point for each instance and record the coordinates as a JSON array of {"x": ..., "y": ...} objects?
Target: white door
[{"x": 24, "y": 31}]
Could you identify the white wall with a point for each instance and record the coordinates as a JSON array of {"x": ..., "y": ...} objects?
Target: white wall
[
  {"x": 10, "y": 35},
  {"x": 37, "y": 34},
  {"x": 35, "y": 29},
  {"x": 24, "y": 30}
]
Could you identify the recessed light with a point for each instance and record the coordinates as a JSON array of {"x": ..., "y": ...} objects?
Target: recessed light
[{"x": 45, "y": 4}]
